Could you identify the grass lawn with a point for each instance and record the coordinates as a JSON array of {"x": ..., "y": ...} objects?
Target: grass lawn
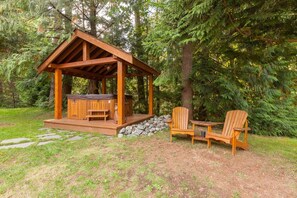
[{"x": 102, "y": 166}]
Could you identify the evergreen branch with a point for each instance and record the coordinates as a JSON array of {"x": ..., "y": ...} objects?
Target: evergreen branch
[
  {"x": 292, "y": 40},
  {"x": 249, "y": 34},
  {"x": 81, "y": 11},
  {"x": 98, "y": 10},
  {"x": 230, "y": 17},
  {"x": 109, "y": 25},
  {"x": 53, "y": 37},
  {"x": 65, "y": 16}
]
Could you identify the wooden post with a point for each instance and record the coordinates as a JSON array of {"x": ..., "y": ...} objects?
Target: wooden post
[
  {"x": 121, "y": 92},
  {"x": 151, "y": 95},
  {"x": 103, "y": 86},
  {"x": 86, "y": 51},
  {"x": 58, "y": 94}
]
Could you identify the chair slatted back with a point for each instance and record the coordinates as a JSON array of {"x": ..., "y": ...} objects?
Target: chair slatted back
[
  {"x": 235, "y": 118},
  {"x": 180, "y": 117}
]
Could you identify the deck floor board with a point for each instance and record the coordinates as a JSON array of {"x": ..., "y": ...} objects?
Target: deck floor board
[{"x": 99, "y": 126}]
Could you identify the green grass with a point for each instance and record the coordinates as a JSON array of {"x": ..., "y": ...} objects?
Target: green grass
[
  {"x": 277, "y": 146},
  {"x": 22, "y": 122},
  {"x": 95, "y": 167},
  {"x": 68, "y": 168}
]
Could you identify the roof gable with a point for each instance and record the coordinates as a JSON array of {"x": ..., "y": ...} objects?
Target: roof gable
[{"x": 71, "y": 51}]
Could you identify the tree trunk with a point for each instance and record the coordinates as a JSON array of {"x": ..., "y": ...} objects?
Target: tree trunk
[
  {"x": 201, "y": 109},
  {"x": 113, "y": 84},
  {"x": 93, "y": 87},
  {"x": 93, "y": 84},
  {"x": 67, "y": 80},
  {"x": 13, "y": 94},
  {"x": 51, "y": 93},
  {"x": 93, "y": 19},
  {"x": 67, "y": 85},
  {"x": 1, "y": 92},
  {"x": 141, "y": 91},
  {"x": 187, "y": 91},
  {"x": 158, "y": 102},
  {"x": 51, "y": 99},
  {"x": 142, "y": 105}
]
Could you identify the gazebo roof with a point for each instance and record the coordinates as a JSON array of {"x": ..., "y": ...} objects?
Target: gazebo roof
[{"x": 88, "y": 57}]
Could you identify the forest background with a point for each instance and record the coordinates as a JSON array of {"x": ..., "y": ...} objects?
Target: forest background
[{"x": 214, "y": 55}]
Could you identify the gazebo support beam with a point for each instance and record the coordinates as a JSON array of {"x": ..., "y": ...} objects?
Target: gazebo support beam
[
  {"x": 99, "y": 61},
  {"x": 150, "y": 95},
  {"x": 58, "y": 94},
  {"x": 121, "y": 92},
  {"x": 86, "y": 51}
]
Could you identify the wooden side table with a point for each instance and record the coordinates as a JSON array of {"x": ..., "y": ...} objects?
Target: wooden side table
[{"x": 209, "y": 126}]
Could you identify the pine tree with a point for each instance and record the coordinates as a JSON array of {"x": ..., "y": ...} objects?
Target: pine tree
[{"x": 242, "y": 58}]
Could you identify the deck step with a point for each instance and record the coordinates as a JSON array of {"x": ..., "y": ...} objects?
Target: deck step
[
  {"x": 98, "y": 110},
  {"x": 97, "y": 116}
]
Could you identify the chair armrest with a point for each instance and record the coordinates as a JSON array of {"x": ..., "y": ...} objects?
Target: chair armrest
[
  {"x": 203, "y": 123},
  {"x": 241, "y": 129}
]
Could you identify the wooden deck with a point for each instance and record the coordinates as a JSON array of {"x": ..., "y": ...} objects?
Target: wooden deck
[{"x": 98, "y": 126}]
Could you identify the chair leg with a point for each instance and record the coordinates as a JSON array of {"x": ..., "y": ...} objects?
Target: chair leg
[
  {"x": 170, "y": 137},
  {"x": 233, "y": 146},
  {"x": 208, "y": 143},
  {"x": 233, "y": 150},
  {"x": 192, "y": 140}
]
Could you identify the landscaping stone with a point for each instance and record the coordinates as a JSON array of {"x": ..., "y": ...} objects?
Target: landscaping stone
[
  {"x": 148, "y": 127},
  {"x": 152, "y": 130},
  {"x": 22, "y": 145},
  {"x": 44, "y": 143},
  {"x": 44, "y": 135},
  {"x": 75, "y": 138},
  {"x": 49, "y": 136},
  {"x": 43, "y": 129},
  {"x": 138, "y": 131},
  {"x": 140, "y": 126},
  {"x": 14, "y": 141},
  {"x": 122, "y": 131}
]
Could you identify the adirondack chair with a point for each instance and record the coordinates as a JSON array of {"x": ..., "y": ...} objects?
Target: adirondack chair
[
  {"x": 235, "y": 123},
  {"x": 179, "y": 122}
]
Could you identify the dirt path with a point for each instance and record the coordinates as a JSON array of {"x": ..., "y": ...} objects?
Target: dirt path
[{"x": 216, "y": 173}]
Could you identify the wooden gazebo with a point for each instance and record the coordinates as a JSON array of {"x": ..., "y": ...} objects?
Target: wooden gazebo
[{"x": 88, "y": 57}]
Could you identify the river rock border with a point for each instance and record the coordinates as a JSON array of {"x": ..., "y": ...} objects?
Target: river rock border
[{"x": 148, "y": 127}]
